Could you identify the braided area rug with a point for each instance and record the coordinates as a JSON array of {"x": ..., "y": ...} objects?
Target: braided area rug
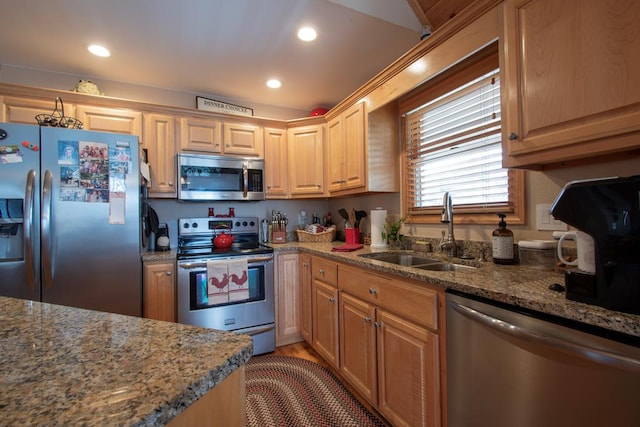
[{"x": 289, "y": 391}]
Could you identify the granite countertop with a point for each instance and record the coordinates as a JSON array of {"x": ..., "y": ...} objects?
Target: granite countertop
[
  {"x": 70, "y": 366},
  {"x": 512, "y": 284}
]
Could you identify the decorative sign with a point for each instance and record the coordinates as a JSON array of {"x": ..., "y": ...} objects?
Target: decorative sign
[{"x": 222, "y": 107}]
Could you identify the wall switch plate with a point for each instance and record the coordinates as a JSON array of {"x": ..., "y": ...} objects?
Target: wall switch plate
[{"x": 546, "y": 221}]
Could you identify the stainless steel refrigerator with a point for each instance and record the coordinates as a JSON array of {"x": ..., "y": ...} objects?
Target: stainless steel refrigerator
[{"x": 70, "y": 218}]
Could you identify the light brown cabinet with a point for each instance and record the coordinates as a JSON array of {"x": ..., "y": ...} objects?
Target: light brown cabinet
[
  {"x": 325, "y": 309},
  {"x": 159, "y": 290},
  {"x": 346, "y": 146},
  {"x": 570, "y": 80},
  {"x": 287, "y": 296},
  {"x": 275, "y": 163},
  {"x": 306, "y": 161},
  {"x": 218, "y": 137},
  {"x": 24, "y": 110},
  {"x": 306, "y": 299},
  {"x": 106, "y": 119},
  {"x": 159, "y": 140},
  {"x": 389, "y": 344}
]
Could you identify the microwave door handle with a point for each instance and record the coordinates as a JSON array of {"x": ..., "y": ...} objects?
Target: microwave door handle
[{"x": 245, "y": 177}]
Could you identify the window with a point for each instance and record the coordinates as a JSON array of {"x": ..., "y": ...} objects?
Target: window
[{"x": 452, "y": 142}]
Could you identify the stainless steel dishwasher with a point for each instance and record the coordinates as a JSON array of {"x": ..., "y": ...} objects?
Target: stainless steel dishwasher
[{"x": 508, "y": 367}]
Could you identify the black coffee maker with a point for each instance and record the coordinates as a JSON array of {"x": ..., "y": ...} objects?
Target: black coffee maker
[{"x": 608, "y": 210}]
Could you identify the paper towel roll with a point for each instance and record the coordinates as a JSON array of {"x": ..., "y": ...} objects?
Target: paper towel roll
[{"x": 378, "y": 218}]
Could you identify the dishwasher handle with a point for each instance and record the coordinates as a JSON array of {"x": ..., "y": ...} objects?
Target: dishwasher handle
[{"x": 578, "y": 350}]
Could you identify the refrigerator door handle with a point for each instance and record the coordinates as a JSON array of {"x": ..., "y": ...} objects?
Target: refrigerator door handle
[
  {"x": 47, "y": 270},
  {"x": 29, "y": 198}
]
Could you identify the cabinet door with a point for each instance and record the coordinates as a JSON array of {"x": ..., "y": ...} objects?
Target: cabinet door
[
  {"x": 358, "y": 345},
  {"x": 159, "y": 139},
  {"x": 198, "y": 134},
  {"x": 24, "y": 110},
  {"x": 346, "y": 148},
  {"x": 325, "y": 322},
  {"x": 354, "y": 142},
  {"x": 306, "y": 160},
  {"x": 571, "y": 79},
  {"x": 275, "y": 163},
  {"x": 336, "y": 158},
  {"x": 306, "y": 322},
  {"x": 408, "y": 372},
  {"x": 243, "y": 139},
  {"x": 287, "y": 300},
  {"x": 159, "y": 291},
  {"x": 110, "y": 119}
]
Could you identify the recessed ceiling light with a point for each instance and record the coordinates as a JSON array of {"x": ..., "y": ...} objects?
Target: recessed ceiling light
[
  {"x": 274, "y": 83},
  {"x": 98, "y": 50},
  {"x": 307, "y": 34}
]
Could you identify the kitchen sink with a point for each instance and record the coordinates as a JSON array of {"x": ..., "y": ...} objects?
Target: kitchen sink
[
  {"x": 423, "y": 263},
  {"x": 401, "y": 259},
  {"x": 445, "y": 266}
]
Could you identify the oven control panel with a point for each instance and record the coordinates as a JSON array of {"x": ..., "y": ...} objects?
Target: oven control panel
[{"x": 212, "y": 225}]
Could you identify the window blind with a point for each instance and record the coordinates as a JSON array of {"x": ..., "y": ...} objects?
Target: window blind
[{"x": 453, "y": 143}]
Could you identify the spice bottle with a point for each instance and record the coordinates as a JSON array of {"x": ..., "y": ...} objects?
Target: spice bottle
[{"x": 503, "y": 243}]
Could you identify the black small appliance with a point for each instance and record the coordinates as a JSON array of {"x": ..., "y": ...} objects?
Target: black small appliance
[
  {"x": 608, "y": 210},
  {"x": 162, "y": 238}
]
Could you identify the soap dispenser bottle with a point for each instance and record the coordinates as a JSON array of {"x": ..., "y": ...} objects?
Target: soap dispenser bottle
[{"x": 503, "y": 243}]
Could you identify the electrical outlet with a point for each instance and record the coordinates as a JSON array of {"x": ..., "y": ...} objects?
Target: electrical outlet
[{"x": 546, "y": 221}]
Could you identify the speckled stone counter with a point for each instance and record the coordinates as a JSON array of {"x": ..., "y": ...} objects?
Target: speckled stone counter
[
  {"x": 515, "y": 285},
  {"x": 69, "y": 366}
]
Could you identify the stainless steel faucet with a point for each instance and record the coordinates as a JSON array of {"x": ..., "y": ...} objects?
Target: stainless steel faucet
[{"x": 447, "y": 218}]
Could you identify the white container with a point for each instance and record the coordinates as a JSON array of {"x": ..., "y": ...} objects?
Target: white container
[{"x": 378, "y": 218}]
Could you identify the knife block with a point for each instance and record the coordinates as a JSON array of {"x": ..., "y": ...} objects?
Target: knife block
[{"x": 279, "y": 237}]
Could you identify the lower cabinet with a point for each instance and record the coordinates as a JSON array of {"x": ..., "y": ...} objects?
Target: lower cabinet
[
  {"x": 306, "y": 300},
  {"x": 159, "y": 290},
  {"x": 325, "y": 322},
  {"x": 287, "y": 296}
]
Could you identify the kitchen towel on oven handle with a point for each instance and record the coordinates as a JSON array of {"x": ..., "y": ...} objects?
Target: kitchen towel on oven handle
[
  {"x": 217, "y": 281},
  {"x": 238, "y": 278}
]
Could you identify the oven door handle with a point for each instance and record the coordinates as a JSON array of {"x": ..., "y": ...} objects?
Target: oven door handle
[
  {"x": 257, "y": 330},
  {"x": 192, "y": 265}
]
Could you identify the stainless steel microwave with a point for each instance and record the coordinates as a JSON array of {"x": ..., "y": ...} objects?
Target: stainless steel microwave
[{"x": 204, "y": 177}]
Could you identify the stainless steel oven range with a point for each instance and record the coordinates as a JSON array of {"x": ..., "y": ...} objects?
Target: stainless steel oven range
[{"x": 254, "y": 315}]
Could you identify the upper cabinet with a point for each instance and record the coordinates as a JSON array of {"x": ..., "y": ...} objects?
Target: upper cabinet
[
  {"x": 159, "y": 141},
  {"x": 24, "y": 110},
  {"x": 571, "y": 80},
  {"x": 217, "y": 137},
  {"x": 275, "y": 163},
  {"x": 103, "y": 119},
  {"x": 363, "y": 150},
  {"x": 346, "y": 146},
  {"x": 306, "y": 160}
]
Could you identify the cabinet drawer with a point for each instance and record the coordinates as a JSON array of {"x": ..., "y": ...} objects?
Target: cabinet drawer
[
  {"x": 413, "y": 302},
  {"x": 325, "y": 271}
]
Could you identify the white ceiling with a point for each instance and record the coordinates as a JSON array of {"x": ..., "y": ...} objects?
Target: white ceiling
[{"x": 214, "y": 47}]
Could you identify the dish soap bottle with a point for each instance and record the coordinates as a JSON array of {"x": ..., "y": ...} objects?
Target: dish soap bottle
[{"x": 503, "y": 243}]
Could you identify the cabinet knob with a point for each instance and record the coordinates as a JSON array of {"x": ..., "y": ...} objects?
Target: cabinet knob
[
  {"x": 318, "y": 185},
  {"x": 367, "y": 319},
  {"x": 321, "y": 271},
  {"x": 332, "y": 299},
  {"x": 169, "y": 273},
  {"x": 305, "y": 264},
  {"x": 170, "y": 183},
  {"x": 377, "y": 324},
  {"x": 372, "y": 291},
  {"x": 513, "y": 136}
]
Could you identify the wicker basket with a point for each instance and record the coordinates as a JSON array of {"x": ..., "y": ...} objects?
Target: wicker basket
[{"x": 324, "y": 237}]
